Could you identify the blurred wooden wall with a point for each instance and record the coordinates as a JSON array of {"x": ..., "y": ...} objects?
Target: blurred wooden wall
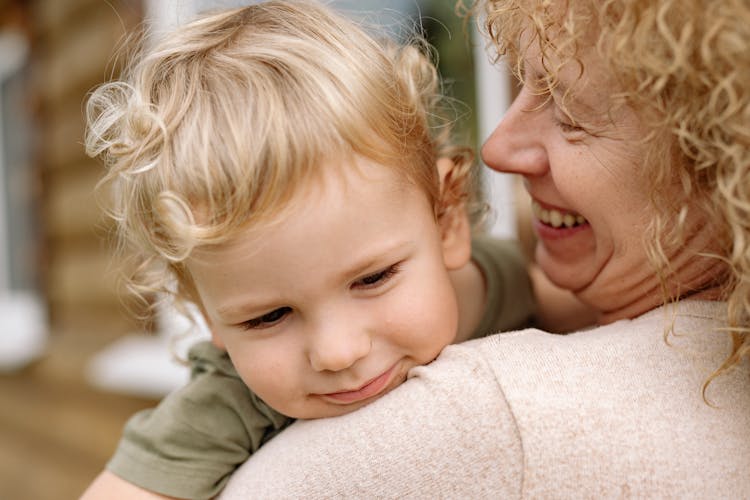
[
  {"x": 56, "y": 431},
  {"x": 73, "y": 49}
]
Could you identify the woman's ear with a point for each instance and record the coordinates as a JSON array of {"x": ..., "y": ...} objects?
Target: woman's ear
[{"x": 453, "y": 219}]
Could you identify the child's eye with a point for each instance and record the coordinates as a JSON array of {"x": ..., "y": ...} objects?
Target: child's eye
[
  {"x": 267, "y": 320},
  {"x": 377, "y": 279}
]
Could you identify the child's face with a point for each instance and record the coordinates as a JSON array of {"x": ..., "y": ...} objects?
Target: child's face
[{"x": 328, "y": 310}]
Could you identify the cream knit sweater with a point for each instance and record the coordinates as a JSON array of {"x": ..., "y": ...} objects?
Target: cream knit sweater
[{"x": 611, "y": 412}]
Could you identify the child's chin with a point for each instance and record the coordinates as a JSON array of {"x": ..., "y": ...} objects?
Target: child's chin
[{"x": 337, "y": 410}]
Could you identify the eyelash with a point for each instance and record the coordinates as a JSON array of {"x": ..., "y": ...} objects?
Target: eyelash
[
  {"x": 277, "y": 315},
  {"x": 266, "y": 320},
  {"x": 540, "y": 82},
  {"x": 566, "y": 127},
  {"x": 564, "y": 122},
  {"x": 378, "y": 279}
]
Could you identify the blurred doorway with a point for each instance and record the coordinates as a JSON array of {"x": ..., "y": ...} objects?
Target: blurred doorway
[{"x": 23, "y": 319}]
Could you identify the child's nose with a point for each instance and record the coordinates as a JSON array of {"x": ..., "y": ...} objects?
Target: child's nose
[
  {"x": 516, "y": 145},
  {"x": 336, "y": 346}
]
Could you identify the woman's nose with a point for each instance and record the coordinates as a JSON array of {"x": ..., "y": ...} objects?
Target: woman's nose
[
  {"x": 517, "y": 143},
  {"x": 337, "y": 345}
]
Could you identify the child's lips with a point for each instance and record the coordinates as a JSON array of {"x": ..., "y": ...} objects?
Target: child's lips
[{"x": 369, "y": 389}]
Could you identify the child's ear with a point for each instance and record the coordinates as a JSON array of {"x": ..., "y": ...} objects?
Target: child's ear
[
  {"x": 455, "y": 227},
  {"x": 189, "y": 288},
  {"x": 215, "y": 339}
]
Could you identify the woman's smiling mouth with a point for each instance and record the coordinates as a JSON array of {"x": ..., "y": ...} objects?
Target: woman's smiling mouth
[{"x": 556, "y": 218}]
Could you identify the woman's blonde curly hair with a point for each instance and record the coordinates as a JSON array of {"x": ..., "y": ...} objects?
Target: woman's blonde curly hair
[
  {"x": 685, "y": 66},
  {"x": 219, "y": 124}
]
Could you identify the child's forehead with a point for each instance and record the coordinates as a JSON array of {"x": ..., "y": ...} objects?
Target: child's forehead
[
  {"x": 340, "y": 174},
  {"x": 345, "y": 170},
  {"x": 323, "y": 183}
]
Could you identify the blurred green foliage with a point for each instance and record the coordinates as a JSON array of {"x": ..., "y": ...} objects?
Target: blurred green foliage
[{"x": 451, "y": 36}]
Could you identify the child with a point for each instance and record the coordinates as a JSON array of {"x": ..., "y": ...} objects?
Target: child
[{"x": 288, "y": 171}]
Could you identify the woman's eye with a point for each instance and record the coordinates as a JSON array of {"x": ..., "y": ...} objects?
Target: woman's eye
[
  {"x": 568, "y": 128},
  {"x": 267, "y": 320},
  {"x": 376, "y": 279},
  {"x": 566, "y": 123}
]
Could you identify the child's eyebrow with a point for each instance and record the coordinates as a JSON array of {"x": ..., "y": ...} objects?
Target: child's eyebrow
[
  {"x": 370, "y": 261},
  {"x": 382, "y": 255},
  {"x": 243, "y": 309}
]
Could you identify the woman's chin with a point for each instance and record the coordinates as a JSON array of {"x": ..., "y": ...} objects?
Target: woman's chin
[{"x": 568, "y": 274}]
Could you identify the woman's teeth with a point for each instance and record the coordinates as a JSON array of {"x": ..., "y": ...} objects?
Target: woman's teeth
[{"x": 555, "y": 218}]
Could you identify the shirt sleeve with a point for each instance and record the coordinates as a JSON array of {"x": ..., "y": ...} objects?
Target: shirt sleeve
[
  {"x": 188, "y": 446},
  {"x": 510, "y": 296}
]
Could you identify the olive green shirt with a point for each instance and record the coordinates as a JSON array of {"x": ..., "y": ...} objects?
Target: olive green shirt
[{"x": 189, "y": 445}]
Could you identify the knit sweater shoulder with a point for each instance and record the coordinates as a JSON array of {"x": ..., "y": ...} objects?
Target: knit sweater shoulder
[{"x": 614, "y": 411}]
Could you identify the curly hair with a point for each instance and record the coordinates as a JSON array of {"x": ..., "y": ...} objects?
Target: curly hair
[
  {"x": 685, "y": 66},
  {"x": 218, "y": 125}
]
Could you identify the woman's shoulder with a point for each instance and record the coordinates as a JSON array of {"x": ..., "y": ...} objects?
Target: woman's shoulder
[
  {"x": 682, "y": 344},
  {"x": 690, "y": 329},
  {"x": 629, "y": 393}
]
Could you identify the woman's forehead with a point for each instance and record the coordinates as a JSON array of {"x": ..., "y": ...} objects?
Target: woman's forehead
[{"x": 583, "y": 80}]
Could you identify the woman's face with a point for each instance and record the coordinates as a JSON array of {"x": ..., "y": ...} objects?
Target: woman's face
[{"x": 590, "y": 204}]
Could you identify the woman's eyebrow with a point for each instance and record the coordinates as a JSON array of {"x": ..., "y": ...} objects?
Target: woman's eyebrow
[
  {"x": 560, "y": 89},
  {"x": 571, "y": 100}
]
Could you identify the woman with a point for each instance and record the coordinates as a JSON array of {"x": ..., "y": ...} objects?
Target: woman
[{"x": 632, "y": 134}]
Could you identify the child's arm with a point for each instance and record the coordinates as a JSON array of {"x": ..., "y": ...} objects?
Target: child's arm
[
  {"x": 107, "y": 486},
  {"x": 499, "y": 291},
  {"x": 494, "y": 290},
  {"x": 469, "y": 284},
  {"x": 189, "y": 445}
]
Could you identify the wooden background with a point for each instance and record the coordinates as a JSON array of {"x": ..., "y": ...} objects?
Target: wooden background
[{"x": 56, "y": 432}]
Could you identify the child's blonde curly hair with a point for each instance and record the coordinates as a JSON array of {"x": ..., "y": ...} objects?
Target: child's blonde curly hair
[
  {"x": 684, "y": 65},
  {"x": 219, "y": 124}
]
